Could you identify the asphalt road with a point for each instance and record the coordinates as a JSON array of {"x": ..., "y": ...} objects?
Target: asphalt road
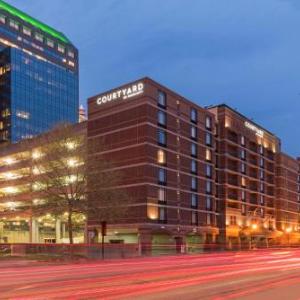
[{"x": 246, "y": 275}]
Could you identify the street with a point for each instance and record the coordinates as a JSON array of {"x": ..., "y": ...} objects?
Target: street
[{"x": 262, "y": 274}]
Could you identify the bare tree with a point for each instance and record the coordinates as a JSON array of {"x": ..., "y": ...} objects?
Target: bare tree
[{"x": 61, "y": 169}]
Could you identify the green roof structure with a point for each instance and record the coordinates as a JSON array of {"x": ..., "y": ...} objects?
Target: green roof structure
[{"x": 37, "y": 24}]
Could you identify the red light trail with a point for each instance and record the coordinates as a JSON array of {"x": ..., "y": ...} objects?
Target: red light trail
[{"x": 244, "y": 275}]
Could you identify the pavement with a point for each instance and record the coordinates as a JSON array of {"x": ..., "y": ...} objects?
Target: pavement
[{"x": 261, "y": 274}]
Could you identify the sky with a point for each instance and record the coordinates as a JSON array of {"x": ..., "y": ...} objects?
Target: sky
[{"x": 245, "y": 53}]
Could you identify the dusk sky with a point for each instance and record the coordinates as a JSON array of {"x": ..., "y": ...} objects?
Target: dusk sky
[{"x": 245, "y": 53}]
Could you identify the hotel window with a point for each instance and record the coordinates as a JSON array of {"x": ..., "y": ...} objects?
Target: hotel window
[
  {"x": 262, "y": 187},
  {"x": 161, "y": 157},
  {"x": 261, "y": 174},
  {"x": 161, "y": 195},
  {"x": 243, "y": 181},
  {"x": 261, "y": 162},
  {"x": 50, "y": 43},
  {"x": 14, "y": 24},
  {"x": 162, "y": 214},
  {"x": 243, "y": 154},
  {"x": 162, "y": 138},
  {"x": 26, "y": 31},
  {"x": 209, "y": 205},
  {"x": 194, "y": 183},
  {"x": 194, "y": 166},
  {"x": 194, "y": 218},
  {"x": 208, "y": 171},
  {"x": 2, "y": 19},
  {"x": 161, "y": 99},
  {"x": 194, "y": 149},
  {"x": 193, "y": 132},
  {"x": 208, "y": 122},
  {"x": 208, "y": 219},
  {"x": 232, "y": 220},
  {"x": 262, "y": 212},
  {"x": 39, "y": 37},
  {"x": 194, "y": 200},
  {"x": 161, "y": 117},
  {"x": 71, "y": 54},
  {"x": 243, "y": 168},
  {"x": 261, "y": 149},
  {"x": 208, "y": 139},
  {"x": 208, "y": 188},
  {"x": 61, "y": 48},
  {"x": 243, "y": 195},
  {"x": 162, "y": 176},
  {"x": 193, "y": 115},
  {"x": 262, "y": 200},
  {"x": 243, "y": 209},
  {"x": 243, "y": 140},
  {"x": 208, "y": 154}
]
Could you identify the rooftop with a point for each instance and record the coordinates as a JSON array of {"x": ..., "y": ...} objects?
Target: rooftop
[{"x": 26, "y": 18}]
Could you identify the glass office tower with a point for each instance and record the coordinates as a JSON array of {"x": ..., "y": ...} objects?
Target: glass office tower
[{"x": 38, "y": 76}]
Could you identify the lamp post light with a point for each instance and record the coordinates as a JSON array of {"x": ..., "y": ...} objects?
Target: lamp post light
[{"x": 288, "y": 231}]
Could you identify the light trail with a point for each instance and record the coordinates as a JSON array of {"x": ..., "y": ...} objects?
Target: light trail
[{"x": 219, "y": 276}]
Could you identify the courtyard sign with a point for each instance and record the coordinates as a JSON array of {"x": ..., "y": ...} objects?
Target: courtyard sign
[
  {"x": 257, "y": 131},
  {"x": 122, "y": 94}
]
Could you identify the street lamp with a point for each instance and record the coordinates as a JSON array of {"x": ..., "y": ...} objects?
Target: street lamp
[{"x": 288, "y": 231}]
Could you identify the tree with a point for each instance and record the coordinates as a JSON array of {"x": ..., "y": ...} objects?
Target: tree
[{"x": 61, "y": 168}]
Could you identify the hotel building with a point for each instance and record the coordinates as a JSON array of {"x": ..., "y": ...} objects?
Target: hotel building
[
  {"x": 38, "y": 76},
  {"x": 196, "y": 177},
  {"x": 164, "y": 145}
]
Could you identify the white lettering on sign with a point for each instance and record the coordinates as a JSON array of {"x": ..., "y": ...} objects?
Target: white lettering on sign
[
  {"x": 125, "y": 93},
  {"x": 257, "y": 131}
]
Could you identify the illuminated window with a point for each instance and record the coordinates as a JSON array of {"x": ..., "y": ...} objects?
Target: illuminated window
[
  {"x": 261, "y": 149},
  {"x": 61, "y": 48},
  {"x": 36, "y": 154},
  {"x": 50, "y": 43},
  {"x": 262, "y": 187},
  {"x": 39, "y": 37},
  {"x": 262, "y": 200},
  {"x": 232, "y": 220},
  {"x": 26, "y": 31},
  {"x": 261, "y": 174},
  {"x": 14, "y": 24},
  {"x": 243, "y": 209},
  {"x": 5, "y": 113},
  {"x": 243, "y": 181},
  {"x": 71, "y": 64},
  {"x": 208, "y": 155},
  {"x": 261, "y": 162},
  {"x": 152, "y": 212},
  {"x": 161, "y": 156}
]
